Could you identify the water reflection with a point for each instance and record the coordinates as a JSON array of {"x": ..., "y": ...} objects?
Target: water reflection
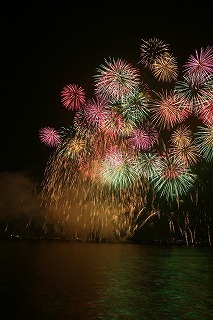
[
  {"x": 56, "y": 280},
  {"x": 156, "y": 282}
]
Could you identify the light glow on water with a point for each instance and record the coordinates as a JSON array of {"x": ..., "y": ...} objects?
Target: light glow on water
[{"x": 61, "y": 280}]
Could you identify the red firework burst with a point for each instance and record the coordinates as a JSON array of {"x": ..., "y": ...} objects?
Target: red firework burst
[{"x": 73, "y": 97}]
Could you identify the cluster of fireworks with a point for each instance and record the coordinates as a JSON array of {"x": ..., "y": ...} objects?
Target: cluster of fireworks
[{"x": 131, "y": 151}]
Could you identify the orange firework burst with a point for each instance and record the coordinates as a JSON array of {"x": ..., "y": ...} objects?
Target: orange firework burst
[{"x": 165, "y": 67}]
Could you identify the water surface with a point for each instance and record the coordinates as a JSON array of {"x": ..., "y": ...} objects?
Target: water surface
[{"x": 53, "y": 280}]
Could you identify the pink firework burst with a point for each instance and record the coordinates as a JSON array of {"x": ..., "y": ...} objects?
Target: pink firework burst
[
  {"x": 50, "y": 136},
  {"x": 116, "y": 79},
  {"x": 143, "y": 138},
  {"x": 201, "y": 64},
  {"x": 73, "y": 97},
  {"x": 95, "y": 111}
]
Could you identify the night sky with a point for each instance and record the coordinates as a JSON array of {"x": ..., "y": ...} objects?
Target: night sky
[{"x": 47, "y": 45}]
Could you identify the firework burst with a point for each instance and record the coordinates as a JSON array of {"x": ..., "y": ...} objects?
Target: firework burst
[
  {"x": 116, "y": 78},
  {"x": 201, "y": 64},
  {"x": 183, "y": 146},
  {"x": 205, "y": 111},
  {"x": 169, "y": 109},
  {"x": 147, "y": 165},
  {"x": 165, "y": 67},
  {"x": 73, "y": 97},
  {"x": 150, "y": 50},
  {"x": 135, "y": 107},
  {"x": 173, "y": 179},
  {"x": 204, "y": 139},
  {"x": 95, "y": 112},
  {"x": 194, "y": 88},
  {"x": 118, "y": 170},
  {"x": 50, "y": 136},
  {"x": 143, "y": 138}
]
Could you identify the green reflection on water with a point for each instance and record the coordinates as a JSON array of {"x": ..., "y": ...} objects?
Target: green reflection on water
[{"x": 170, "y": 284}]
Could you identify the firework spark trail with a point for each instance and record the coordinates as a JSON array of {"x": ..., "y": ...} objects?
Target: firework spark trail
[{"x": 85, "y": 205}]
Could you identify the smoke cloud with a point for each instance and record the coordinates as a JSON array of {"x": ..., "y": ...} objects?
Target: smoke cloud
[{"x": 19, "y": 201}]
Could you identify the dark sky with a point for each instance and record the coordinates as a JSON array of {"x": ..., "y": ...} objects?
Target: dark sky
[{"x": 46, "y": 45}]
